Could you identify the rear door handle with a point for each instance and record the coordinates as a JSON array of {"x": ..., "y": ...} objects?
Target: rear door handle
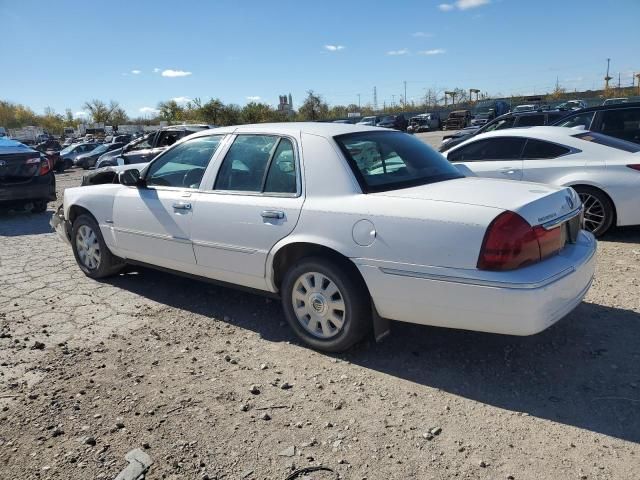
[
  {"x": 182, "y": 206},
  {"x": 272, "y": 214}
]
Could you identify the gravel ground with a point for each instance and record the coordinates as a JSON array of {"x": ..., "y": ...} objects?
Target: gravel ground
[{"x": 211, "y": 383}]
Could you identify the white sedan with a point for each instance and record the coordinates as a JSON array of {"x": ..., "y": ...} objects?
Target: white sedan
[
  {"x": 351, "y": 226},
  {"x": 605, "y": 171}
]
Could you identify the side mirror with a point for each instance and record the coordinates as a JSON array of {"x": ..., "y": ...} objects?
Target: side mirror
[{"x": 130, "y": 178}]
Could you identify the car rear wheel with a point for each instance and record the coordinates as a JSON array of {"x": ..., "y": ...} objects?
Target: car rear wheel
[
  {"x": 598, "y": 210},
  {"x": 326, "y": 305},
  {"x": 92, "y": 254}
]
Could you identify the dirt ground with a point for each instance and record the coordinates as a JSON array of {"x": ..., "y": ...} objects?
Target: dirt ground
[{"x": 211, "y": 383}]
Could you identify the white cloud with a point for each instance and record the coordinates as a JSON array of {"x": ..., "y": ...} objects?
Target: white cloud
[
  {"x": 434, "y": 51},
  {"x": 181, "y": 99},
  {"x": 148, "y": 110},
  {"x": 466, "y": 4},
  {"x": 462, "y": 5},
  {"x": 175, "y": 73},
  {"x": 422, "y": 35},
  {"x": 254, "y": 98},
  {"x": 334, "y": 48},
  {"x": 156, "y": 70},
  {"x": 403, "y": 51},
  {"x": 136, "y": 72}
]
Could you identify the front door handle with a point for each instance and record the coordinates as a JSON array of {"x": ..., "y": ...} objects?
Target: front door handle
[
  {"x": 272, "y": 214},
  {"x": 182, "y": 206}
]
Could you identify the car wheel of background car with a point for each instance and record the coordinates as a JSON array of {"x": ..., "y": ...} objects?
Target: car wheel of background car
[
  {"x": 60, "y": 167},
  {"x": 92, "y": 254},
  {"x": 327, "y": 306},
  {"x": 39, "y": 206},
  {"x": 598, "y": 210}
]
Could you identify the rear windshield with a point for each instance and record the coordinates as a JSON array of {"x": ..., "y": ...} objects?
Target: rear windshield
[
  {"x": 391, "y": 160},
  {"x": 608, "y": 141}
]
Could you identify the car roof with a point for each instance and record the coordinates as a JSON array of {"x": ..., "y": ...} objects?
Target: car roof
[
  {"x": 542, "y": 132},
  {"x": 613, "y": 106},
  {"x": 293, "y": 128}
]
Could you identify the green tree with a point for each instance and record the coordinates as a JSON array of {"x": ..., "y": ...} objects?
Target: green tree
[
  {"x": 256, "y": 113},
  {"x": 230, "y": 114},
  {"x": 313, "y": 108},
  {"x": 211, "y": 111},
  {"x": 171, "y": 111}
]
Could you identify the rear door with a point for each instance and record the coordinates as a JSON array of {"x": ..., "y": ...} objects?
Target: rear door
[
  {"x": 498, "y": 157},
  {"x": 621, "y": 123},
  {"x": 254, "y": 202},
  {"x": 546, "y": 162}
]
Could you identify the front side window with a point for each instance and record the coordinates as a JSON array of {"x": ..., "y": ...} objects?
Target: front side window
[
  {"x": 143, "y": 143},
  {"x": 538, "y": 149},
  {"x": 500, "y": 148},
  {"x": 623, "y": 123},
  {"x": 244, "y": 166},
  {"x": 390, "y": 160},
  {"x": 184, "y": 165},
  {"x": 580, "y": 120}
]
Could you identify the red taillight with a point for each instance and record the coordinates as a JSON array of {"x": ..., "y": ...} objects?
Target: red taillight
[
  {"x": 45, "y": 166},
  {"x": 510, "y": 243},
  {"x": 635, "y": 166}
]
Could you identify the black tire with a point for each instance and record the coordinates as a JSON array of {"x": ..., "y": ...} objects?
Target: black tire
[
  {"x": 68, "y": 163},
  {"x": 39, "y": 206},
  {"x": 590, "y": 197},
  {"x": 109, "y": 264},
  {"x": 357, "y": 312},
  {"x": 60, "y": 167}
]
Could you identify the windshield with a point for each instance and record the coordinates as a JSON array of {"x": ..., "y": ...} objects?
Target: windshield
[
  {"x": 367, "y": 119},
  {"x": 67, "y": 150},
  {"x": 384, "y": 161}
]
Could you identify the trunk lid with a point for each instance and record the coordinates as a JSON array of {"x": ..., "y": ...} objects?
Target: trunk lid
[
  {"x": 18, "y": 166},
  {"x": 536, "y": 203}
]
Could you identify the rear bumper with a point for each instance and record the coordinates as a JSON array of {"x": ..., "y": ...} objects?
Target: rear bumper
[
  {"x": 522, "y": 302},
  {"x": 36, "y": 188}
]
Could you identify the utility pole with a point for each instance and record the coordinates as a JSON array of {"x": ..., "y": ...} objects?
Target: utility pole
[
  {"x": 358, "y": 101},
  {"x": 405, "y": 95},
  {"x": 637, "y": 75},
  {"x": 393, "y": 100},
  {"x": 375, "y": 99},
  {"x": 607, "y": 78}
]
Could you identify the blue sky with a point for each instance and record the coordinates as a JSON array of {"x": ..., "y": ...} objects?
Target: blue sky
[{"x": 61, "y": 53}]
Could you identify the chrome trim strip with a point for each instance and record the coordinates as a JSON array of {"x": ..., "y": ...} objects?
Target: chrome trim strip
[
  {"x": 221, "y": 246},
  {"x": 158, "y": 236},
  {"x": 550, "y": 225},
  {"x": 477, "y": 281}
]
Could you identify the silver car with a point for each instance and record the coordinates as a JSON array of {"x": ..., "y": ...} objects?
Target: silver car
[{"x": 70, "y": 153}]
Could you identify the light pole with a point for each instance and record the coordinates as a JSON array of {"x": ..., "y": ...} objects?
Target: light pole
[{"x": 358, "y": 101}]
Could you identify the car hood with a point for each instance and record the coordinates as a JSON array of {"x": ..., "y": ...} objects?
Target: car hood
[{"x": 535, "y": 202}]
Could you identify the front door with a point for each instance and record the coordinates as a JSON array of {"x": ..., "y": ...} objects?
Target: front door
[
  {"x": 498, "y": 157},
  {"x": 255, "y": 201},
  {"x": 153, "y": 223}
]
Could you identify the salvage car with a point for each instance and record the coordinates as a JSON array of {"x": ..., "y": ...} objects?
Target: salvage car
[
  {"x": 350, "y": 226},
  {"x": 26, "y": 177},
  {"x": 89, "y": 159},
  {"x": 70, "y": 153},
  {"x": 424, "y": 122},
  {"x": 458, "y": 119},
  {"x": 109, "y": 174},
  {"x": 605, "y": 171}
]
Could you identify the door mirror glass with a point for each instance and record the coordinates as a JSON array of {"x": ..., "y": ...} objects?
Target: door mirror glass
[{"x": 130, "y": 178}]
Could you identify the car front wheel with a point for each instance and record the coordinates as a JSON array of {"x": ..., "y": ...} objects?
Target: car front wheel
[
  {"x": 326, "y": 304},
  {"x": 92, "y": 254}
]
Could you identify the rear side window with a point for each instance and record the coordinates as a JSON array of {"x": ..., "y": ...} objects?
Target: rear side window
[
  {"x": 245, "y": 164},
  {"x": 499, "y": 124},
  {"x": 552, "y": 117},
  {"x": 608, "y": 141},
  {"x": 538, "y": 149},
  {"x": 384, "y": 161},
  {"x": 530, "y": 120},
  {"x": 503, "y": 148},
  {"x": 579, "y": 120}
]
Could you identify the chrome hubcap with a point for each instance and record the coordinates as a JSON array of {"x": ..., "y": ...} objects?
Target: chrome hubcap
[
  {"x": 594, "y": 214},
  {"x": 88, "y": 247},
  {"x": 318, "y": 305}
]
